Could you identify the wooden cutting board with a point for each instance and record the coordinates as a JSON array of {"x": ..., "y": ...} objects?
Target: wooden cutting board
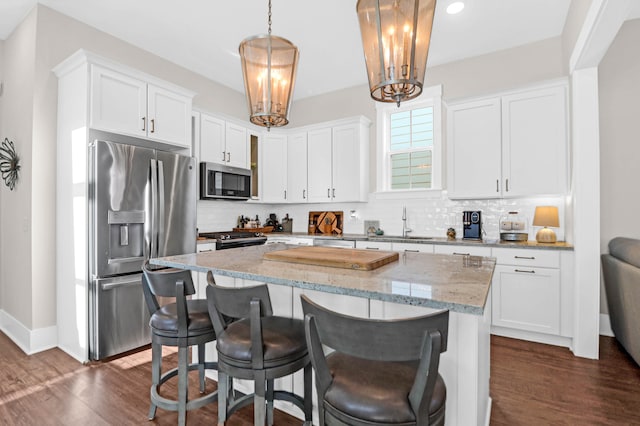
[{"x": 334, "y": 257}]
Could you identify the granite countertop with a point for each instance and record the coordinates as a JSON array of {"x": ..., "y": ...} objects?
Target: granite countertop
[
  {"x": 458, "y": 283},
  {"x": 561, "y": 245}
]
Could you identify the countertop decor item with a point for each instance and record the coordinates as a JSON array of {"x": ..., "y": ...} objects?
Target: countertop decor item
[
  {"x": 9, "y": 163},
  {"x": 269, "y": 68},
  {"x": 546, "y": 216},
  {"x": 395, "y": 38}
]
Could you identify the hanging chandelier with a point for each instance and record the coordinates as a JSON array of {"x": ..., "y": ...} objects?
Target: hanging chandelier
[
  {"x": 395, "y": 38},
  {"x": 269, "y": 68}
]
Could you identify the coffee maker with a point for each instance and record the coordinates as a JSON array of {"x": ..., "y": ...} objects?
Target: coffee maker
[{"x": 472, "y": 225}]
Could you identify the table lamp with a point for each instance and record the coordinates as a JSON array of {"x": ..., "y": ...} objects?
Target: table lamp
[{"x": 546, "y": 216}]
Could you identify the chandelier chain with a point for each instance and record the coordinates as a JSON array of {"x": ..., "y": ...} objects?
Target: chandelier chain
[{"x": 269, "y": 17}]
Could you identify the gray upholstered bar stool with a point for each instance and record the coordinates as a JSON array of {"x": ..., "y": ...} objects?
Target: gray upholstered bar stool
[
  {"x": 183, "y": 323},
  {"x": 256, "y": 346},
  {"x": 382, "y": 372}
]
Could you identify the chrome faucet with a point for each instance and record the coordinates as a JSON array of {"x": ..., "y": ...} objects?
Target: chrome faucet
[{"x": 405, "y": 230}]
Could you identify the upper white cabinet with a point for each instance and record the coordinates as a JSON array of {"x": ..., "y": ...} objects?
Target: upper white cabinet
[
  {"x": 223, "y": 142},
  {"x": 337, "y": 162},
  {"x": 274, "y": 168},
  {"x": 511, "y": 145},
  {"x": 297, "y": 168},
  {"x": 125, "y": 104}
]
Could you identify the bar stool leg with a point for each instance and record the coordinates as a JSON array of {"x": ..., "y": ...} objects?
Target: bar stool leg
[
  {"x": 156, "y": 367},
  {"x": 223, "y": 391},
  {"x": 270, "y": 402},
  {"x": 201, "y": 367},
  {"x": 183, "y": 383},
  {"x": 259, "y": 399},
  {"x": 308, "y": 394}
]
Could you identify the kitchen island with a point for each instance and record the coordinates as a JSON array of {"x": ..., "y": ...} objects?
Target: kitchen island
[{"x": 415, "y": 284}]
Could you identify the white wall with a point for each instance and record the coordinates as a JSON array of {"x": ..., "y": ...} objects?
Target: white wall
[
  {"x": 17, "y": 125},
  {"x": 619, "y": 81},
  {"x": 572, "y": 26},
  {"x": 1, "y": 138}
]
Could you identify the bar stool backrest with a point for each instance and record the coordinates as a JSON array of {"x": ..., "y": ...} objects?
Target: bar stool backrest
[{"x": 163, "y": 283}]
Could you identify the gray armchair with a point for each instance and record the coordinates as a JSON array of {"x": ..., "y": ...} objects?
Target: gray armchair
[{"x": 621, "y": 268}]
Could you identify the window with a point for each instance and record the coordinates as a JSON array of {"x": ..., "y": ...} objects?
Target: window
[{"x": 409, "y": 144}]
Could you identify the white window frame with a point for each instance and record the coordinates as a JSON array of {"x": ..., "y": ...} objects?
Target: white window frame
[{"x": 430, "y": 97}]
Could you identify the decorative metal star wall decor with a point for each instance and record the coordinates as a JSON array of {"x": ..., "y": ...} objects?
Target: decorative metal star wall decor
[{"x": 9, "y": 163}]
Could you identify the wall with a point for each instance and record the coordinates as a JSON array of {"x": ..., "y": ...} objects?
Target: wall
[
  {"x": 619, "y": 148},
  {"x": 1, "y": 138},
  {"x": 17, "y": 125},
  {"x": 572, "y": 26}
]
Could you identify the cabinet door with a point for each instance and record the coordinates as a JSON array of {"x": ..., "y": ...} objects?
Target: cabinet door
[
  {"x": 212, "y": 132},
  {"x": 319, "y": 165},
  {"x": 297, "y": 168},
  {"x": 118, "y": 103},
  {"x": 534, "y": 142},
  {"x": 346, "y": 164},
  {"x": 169, "y": 116},
  {"x": 474, "y": 149},
  {"x": 274, "y": 168},
  {"x": 526, "y": 298},
  {"x": 237, "y": 145}
]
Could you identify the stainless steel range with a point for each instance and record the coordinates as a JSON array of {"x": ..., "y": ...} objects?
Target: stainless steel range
[{"x": 229, "y": 240}]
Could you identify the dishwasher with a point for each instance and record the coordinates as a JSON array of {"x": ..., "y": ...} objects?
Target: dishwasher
[{"x": 332, "y": 242}]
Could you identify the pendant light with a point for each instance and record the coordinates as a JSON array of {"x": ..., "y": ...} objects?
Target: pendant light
[
  {"x": 395, "y": 37},
  {"x": 269, "y": 68}
]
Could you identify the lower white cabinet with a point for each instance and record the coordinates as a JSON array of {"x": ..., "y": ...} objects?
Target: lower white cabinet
[
  {"x": 374, "y": 245},
  {"x": 478, "y": 250},
  {"x": 412, "y": 247},
  {"x": 526, "y": 290}
]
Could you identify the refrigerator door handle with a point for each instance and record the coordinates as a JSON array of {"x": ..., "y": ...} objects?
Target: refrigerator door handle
[
  {"x": 161, "y": 209},
  {"x": 153, "y": 249}
]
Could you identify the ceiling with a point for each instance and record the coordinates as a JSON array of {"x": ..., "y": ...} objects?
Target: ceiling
[{"x": 203, "y": 35}]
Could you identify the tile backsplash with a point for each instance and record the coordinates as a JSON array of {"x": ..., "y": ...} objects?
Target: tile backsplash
[{"x": 425, "y": 217}]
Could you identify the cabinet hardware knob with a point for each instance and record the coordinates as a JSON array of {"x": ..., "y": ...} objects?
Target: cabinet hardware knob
[
  {"x": 304, "y": 194},
  {"x": 153, "y": 125},
  {"x": 144, "y": 124},
  {"x": 462, "y": 254},
  {"x": 224, "y": 156},
  {"x": 328, "y": 192},
  {"x": 333, "y": 193},
  {"x": 228, "y": 156},
  {"x": 507, "y": 185},
  {"x": 204, "y": 251},
  {"x": 411, "y": 251},
  {"x": 372, "y": 248},
  {"x": 285, "y": 194},
  {"x": 525, "y": 257},
  {"x": 497, "y": 185},
  {"x": 522, "y": 270}
]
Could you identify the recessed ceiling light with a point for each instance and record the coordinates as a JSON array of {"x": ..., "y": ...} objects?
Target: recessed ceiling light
[{"x": 455, "y": 7}]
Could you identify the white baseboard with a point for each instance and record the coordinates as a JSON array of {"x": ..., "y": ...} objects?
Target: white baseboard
[
  {"x": 605, "y": 325},
  {"x": 29, "y": 341}
]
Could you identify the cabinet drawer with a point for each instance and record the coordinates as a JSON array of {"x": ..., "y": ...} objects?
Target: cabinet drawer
[
  {"x": 463, "y": 250},
  {"x": 373, "y": 245},
  {"x": 412, "y": 247},
  {"x": 524, "y": 257}
]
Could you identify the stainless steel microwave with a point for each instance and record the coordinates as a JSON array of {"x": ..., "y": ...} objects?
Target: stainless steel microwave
[{"x": 220, "y": 181}]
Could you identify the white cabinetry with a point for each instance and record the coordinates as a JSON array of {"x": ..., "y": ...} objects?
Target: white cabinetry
[
  {"x": 412, "y": 247},
  {"x": 125, "y": 104},
  {"x": 337, "y": 162},
  {"x": 223, "y": 142},
  {"x": 478, "y": 250},
  {"x": 274, "y": 168},
  {"x": 526, "y": 290},
  {"x": 510, "y": 145},
  {"x": 297, "y": 168}
]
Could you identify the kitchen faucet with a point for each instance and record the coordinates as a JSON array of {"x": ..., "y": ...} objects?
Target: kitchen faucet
[{"x": 405, "y": 230}]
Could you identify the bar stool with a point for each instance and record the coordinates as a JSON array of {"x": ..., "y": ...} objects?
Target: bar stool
[
  {"x": 382, "y": 372},
  {"x": 183, "y": 323},
  {"x": 256, "y": 346}
]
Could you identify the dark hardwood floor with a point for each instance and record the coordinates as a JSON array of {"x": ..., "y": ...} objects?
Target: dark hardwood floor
[{"x": 531, "y": 384}]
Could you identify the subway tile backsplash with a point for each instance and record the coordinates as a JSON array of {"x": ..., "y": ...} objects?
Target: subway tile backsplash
[{"x": 425, "y": 217}]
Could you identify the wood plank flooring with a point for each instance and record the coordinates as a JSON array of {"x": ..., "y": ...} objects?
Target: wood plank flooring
[{"x": 531, "y": 384}]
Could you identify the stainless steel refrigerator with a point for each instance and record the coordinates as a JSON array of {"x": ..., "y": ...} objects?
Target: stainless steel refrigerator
[{"x": 142, "y": 204}]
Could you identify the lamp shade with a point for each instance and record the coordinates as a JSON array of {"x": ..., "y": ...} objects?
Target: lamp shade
[
  {"x": 546, "y": 216},
  {"x": 269, "y": 68},
  {"x": 395, "y": 37}
]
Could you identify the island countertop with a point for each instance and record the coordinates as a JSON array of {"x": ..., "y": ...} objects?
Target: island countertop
[{"x": 458, "y": 283}]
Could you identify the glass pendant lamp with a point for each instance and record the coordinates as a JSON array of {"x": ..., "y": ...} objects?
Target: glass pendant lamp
[
  {"x": 269, "y": 68},
  {"x": 395, "y": 37}
]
